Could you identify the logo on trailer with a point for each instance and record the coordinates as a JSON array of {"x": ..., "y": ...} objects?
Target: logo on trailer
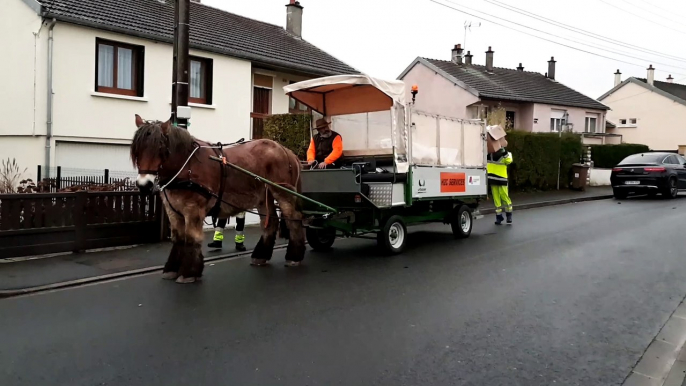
[
  {"x": 474, "y": 180},
  {"x": 453, "y": 183},
  {"x": 422, "y": 186}
]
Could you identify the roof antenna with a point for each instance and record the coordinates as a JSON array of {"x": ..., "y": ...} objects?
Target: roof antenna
[{"x": 468, "y": 26}]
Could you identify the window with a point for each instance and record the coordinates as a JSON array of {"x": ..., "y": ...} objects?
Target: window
[
  {"x": 622, "y": 121},
  {"x": 557, "y": 120},
  {"x": 119, "y": 68},
  {"x": 201, "y": 81},
  {"x": 295, "y": 107},
  {"x": 592, "y": 123},
  {"x": 671, "y": 160},
  {"x": 633, "y": 121},
  {"x": 681, "y": 160}
]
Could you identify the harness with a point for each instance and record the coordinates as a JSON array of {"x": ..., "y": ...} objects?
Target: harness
[{"x": 188, "y": 184}]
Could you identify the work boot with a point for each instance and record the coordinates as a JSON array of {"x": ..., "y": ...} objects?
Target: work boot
[
  {"x": 215, "y": 244},
  {"x": 240, "y": 247},
  {"x": 499, "y": 219},
  {"x": 509, "y": 217}
]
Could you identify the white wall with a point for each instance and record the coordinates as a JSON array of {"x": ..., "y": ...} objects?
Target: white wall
[
  {"x": 82, "y": 113},
  {"x": 23, "y": 42},
  {"x": 437, "y": 95},
  {"x": 600, "y": 177},
  {"x": 28, "y": 151},
  {"x": 577, "y": 117},
  {"x": 659, "y": 119},
  {"x": 21, "y": 49}
]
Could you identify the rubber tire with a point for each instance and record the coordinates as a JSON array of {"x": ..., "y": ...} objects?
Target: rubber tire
[
  {"x": 619, "y": 195},
  {"x": 320, "y": 239},
  {"x": 667, "y": 193},
  {"x": 383, "y": 238},
  {"x": 455, "y": 225}
]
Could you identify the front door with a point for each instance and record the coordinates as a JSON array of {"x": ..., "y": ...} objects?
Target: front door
[
  {"x": 261, "y": 103},
  {"x": 510, "y": 120}
]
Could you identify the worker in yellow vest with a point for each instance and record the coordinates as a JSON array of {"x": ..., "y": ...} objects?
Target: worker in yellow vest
[
  {"x": 219, "y": 233},
  {"x": 497, "y": 178}
]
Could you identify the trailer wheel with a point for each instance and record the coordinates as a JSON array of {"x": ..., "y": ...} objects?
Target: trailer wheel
[
  {"x": 393, "y": 235},
  {"x": 320, "y": 239},
  {"x": 462, "y": 222}
]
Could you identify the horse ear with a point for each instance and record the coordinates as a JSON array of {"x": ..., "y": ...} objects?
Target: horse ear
[
  {"x": 165, "y": 127},
  {"x": 139, "y": 121}
]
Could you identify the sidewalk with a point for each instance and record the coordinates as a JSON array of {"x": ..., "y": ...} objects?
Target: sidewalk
[{"x": 42, "y": 271}]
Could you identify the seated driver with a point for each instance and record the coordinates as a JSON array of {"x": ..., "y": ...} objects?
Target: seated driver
[{"x": 326, "y": 147}]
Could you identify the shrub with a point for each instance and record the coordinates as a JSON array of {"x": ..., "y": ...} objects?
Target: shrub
[
  {"x": 10, "y": 174},
  {"x": 290, "y": 130},
  {"x": 608, "y": 156},
  {"x": 536, "y": 157}
]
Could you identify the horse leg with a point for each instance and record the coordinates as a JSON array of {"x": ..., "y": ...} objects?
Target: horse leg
[
  {"x": 270, "y": 222},
  {"x": 171, "y": 268},
  {"x": 295, "y": 252},
  {"x": 192, "y": 261}
]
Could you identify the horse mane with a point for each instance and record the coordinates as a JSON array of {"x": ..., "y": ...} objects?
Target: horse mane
[{"x": 149, "y": 137}]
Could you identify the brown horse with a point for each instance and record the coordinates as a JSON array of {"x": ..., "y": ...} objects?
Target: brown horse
[{"x": 191, "y": 184}]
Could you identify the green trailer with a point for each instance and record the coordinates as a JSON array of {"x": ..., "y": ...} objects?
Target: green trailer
[{"x": 400, "y": 166}]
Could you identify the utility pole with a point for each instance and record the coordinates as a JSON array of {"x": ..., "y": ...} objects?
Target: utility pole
[{"x": 180, "y": 78}]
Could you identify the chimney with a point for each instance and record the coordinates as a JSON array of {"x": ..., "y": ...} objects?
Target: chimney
[
  {"x": 520, "y": 68},
  {"x": 651, "y": 75},
  {"x": 457, "y": 54},
  {"x": 670, "y": 79},
  {"x": 468, "y": 58},
  {"x": 551, "y": 68},
  {"x": 294, "y": 18},
  {"x": 618, "y": 78},
  {"x": 489, "y": 60}
]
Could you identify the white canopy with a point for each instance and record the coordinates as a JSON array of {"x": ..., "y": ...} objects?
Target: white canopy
[{"x": 348, "y": 94}]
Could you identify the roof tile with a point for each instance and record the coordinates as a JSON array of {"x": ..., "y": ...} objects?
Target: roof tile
[
  {"x": 211, "y": 28},
  {"x": 509, "y": 84}
]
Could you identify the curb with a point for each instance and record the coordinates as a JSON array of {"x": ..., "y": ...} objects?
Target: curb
[
  {"x": 663, "y": 363},
  {"x": 116, "y": 275},
  {"x": 543, "y": 204},
  {"x": 229, "y": 256}
]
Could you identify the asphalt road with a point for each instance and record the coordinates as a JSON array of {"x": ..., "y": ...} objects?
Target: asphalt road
[{"x": 569, "y": 295}]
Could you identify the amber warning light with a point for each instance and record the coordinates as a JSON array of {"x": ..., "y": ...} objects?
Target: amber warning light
[{"x": 415, "y": 90}]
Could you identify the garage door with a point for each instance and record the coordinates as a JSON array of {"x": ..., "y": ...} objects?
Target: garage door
[{"x": 93, "y": 156}]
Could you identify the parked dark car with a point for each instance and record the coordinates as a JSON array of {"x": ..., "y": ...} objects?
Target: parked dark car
[{"x": 649, "y": 173}]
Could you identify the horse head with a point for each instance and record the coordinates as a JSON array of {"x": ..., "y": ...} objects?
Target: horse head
[{"x": 155, "y": 149}]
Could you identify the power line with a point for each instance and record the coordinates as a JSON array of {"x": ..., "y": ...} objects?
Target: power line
[
  {"x": 644, "y": 18},
  {"x": 536, "y": 36},
  {"x": 649, "y": 11},
  {"x": 671, "y": 11},
  {"x": 581, "y": 31}
]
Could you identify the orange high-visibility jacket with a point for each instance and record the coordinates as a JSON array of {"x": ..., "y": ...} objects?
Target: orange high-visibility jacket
[{"x": 333, "y": 156}]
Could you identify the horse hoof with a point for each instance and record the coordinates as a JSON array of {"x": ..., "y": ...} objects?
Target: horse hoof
[
  {"x": 259, "y": 262},
  {"x": 185, "y": 280},
  {"x": 169, "y": 275},
  {"x": 292, "y": 264}
]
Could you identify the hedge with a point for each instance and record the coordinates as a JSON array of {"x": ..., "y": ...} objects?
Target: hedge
[
  {"x": 536, "y": 157},
  {"x": 608, "y": 156},
  {"x": 290, "y": 130}
]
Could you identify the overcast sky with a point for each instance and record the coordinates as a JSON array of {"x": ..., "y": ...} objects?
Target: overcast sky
[{"x": 382, "y": 37}]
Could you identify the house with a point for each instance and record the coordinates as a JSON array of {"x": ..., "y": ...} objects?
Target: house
[
  {"x": 533, "y": 102},
  {"x": 648, "y": 111},
  {"x": 104, "y": 61}
]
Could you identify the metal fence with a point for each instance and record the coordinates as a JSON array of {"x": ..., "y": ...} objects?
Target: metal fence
[{"x": 59, "y": 179}]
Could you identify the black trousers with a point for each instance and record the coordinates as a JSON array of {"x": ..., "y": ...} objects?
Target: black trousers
[{"x": 240, "y": 223}]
